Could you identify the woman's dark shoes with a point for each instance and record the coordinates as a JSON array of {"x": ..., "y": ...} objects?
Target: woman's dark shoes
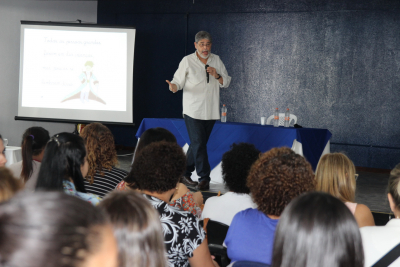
[
  {"x": 203, "y": 185},
  {"x": 188, "y": 181}
]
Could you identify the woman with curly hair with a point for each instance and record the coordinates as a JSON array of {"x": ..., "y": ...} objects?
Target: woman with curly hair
[
  {"x": 182, "y": 198},
  {"x": 236, "y": 165},
  {"x": 277, "y": 177},
  {"x": 335, "y": 175},
  {"x": 157, "y": 170},
  {"x": 102, "y": 176}
]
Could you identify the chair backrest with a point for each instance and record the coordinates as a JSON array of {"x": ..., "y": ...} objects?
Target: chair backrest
[
  {"x": 293, "y": 119},
  {"x": 250, "y": 264},
  {"x": 216, "y": 232}
]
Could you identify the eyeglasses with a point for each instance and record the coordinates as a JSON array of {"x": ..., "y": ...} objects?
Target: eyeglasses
[
  {"x": 204, "y": 45},
  {"x": 356, "y": 176}
]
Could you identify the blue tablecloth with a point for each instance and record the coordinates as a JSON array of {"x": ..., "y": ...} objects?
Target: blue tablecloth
[{"x": 263, "y": 137}]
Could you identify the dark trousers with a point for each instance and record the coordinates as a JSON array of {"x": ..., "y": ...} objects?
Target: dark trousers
[{"x": 196, "y": 157}]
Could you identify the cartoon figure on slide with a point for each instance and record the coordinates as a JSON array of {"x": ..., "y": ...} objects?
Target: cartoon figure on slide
[{"x": 89, "y": 88}]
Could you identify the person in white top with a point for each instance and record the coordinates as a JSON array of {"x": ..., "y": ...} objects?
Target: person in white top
[
  {"x": 379, "y": 240},
  {"x": 236, "y": 164},
  {"x": 201, "y": 75}
]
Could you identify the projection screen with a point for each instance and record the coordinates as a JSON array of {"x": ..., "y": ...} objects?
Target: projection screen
[{"x": 76, "y": 72}]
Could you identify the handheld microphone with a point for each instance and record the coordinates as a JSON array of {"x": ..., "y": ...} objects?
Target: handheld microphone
[{"x": 208, "y": 75}]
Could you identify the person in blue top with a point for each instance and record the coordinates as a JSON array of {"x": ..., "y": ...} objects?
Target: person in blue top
[
  {"x": 277, "y": 177},
  {"x": 63, "y": 167}
]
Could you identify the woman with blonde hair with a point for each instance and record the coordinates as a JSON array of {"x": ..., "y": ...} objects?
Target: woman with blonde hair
[{"x": 336, "y": 175}]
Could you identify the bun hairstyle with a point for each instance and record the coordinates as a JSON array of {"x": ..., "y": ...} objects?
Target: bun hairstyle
[
  {"x": 317, "y": 229},
  {"x": 34, "y": 141},
  {"x": 45, "y": 229},
  {"x": 64, "y": 155},
  {"x": 394, "y": 185}
]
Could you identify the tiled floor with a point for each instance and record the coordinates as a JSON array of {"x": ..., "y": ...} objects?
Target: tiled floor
[{"x": 371, "y": 187}]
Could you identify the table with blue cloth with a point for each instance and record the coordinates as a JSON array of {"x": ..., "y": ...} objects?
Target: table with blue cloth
[{"x": 310, "y": 143}]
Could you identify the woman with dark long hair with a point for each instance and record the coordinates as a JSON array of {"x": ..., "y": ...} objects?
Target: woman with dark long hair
[
  {"x": 64, "y": 166},
  {"x": 48, "y": 229},
  {"x": 317, "y": 229},
  {"x": 33, "y": 143}
]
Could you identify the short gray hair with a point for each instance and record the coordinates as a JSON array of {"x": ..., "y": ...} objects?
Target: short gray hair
[{"x": 202, "y": 35}]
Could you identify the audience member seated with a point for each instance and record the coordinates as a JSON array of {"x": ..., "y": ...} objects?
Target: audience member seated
[
  {"x": 8, "y": 184},
  {"x": 379, "y": 240},
  {"x": 317, "y": 229},
  {"x": 335, "y": 175},
  {"x": 64, "y": 165},
  {"x": 277, "y": 177},
  {"x": 137, "y": 229},
  {"x": 102, "y": 176},
  {"x": 33, "y": 143},
  {"x": 182, "y": 197},
  {"x": 3, "y": 159},
  {"x": 47, "y": 229},
  {"x": 236, "y": 164},
  {"x": 157, "y": 170}
]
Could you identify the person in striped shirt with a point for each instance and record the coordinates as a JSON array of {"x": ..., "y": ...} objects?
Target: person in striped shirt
[{"x": 103, "y": 176}]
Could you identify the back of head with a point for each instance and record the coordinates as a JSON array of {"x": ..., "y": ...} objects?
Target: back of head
[
  {"x": 316, "y": 229},
  {"x": 48, "y": 229},
  {"x": 63, "y": 157},
  {"x": 34, "y": 141},
  {"x": 278, "y": 176},
  {"x": 394, "y": 186},
  {"x": 158, "y": 167},
  {"x": 137, "y": 229},
  {"x": 100, "y": 146},
  {"x": 154, "y": 135},
  {"x": 236, "y": 164},
  {"x": 335, "y": 175},
  {"x": 8, "y": 184}
]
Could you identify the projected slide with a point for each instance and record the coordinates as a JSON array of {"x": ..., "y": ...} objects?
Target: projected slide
[{"x": 75, "y": 72}]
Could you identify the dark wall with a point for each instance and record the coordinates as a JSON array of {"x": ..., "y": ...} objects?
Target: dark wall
[{"x": 335, "y": 64}]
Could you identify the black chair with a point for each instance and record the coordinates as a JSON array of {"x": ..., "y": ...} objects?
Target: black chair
[
  {"x": 250, "y": 264},
  {"x": 216, "y": 233}
]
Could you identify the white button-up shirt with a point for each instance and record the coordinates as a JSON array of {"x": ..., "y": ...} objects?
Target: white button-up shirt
[{"x": 200, "y": 99}]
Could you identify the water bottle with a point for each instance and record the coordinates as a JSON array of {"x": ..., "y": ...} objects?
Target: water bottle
[
  {"x": 276, "y": 118},
  {"x": 223, "y": 113},
  {"x": 287, "y": 118}
]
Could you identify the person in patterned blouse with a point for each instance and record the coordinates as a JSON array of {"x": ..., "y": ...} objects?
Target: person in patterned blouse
[
  {"x": 183, "y": 198},
  {"x": 63, "y": 167},
  {"x": 157, "y": 170}
]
